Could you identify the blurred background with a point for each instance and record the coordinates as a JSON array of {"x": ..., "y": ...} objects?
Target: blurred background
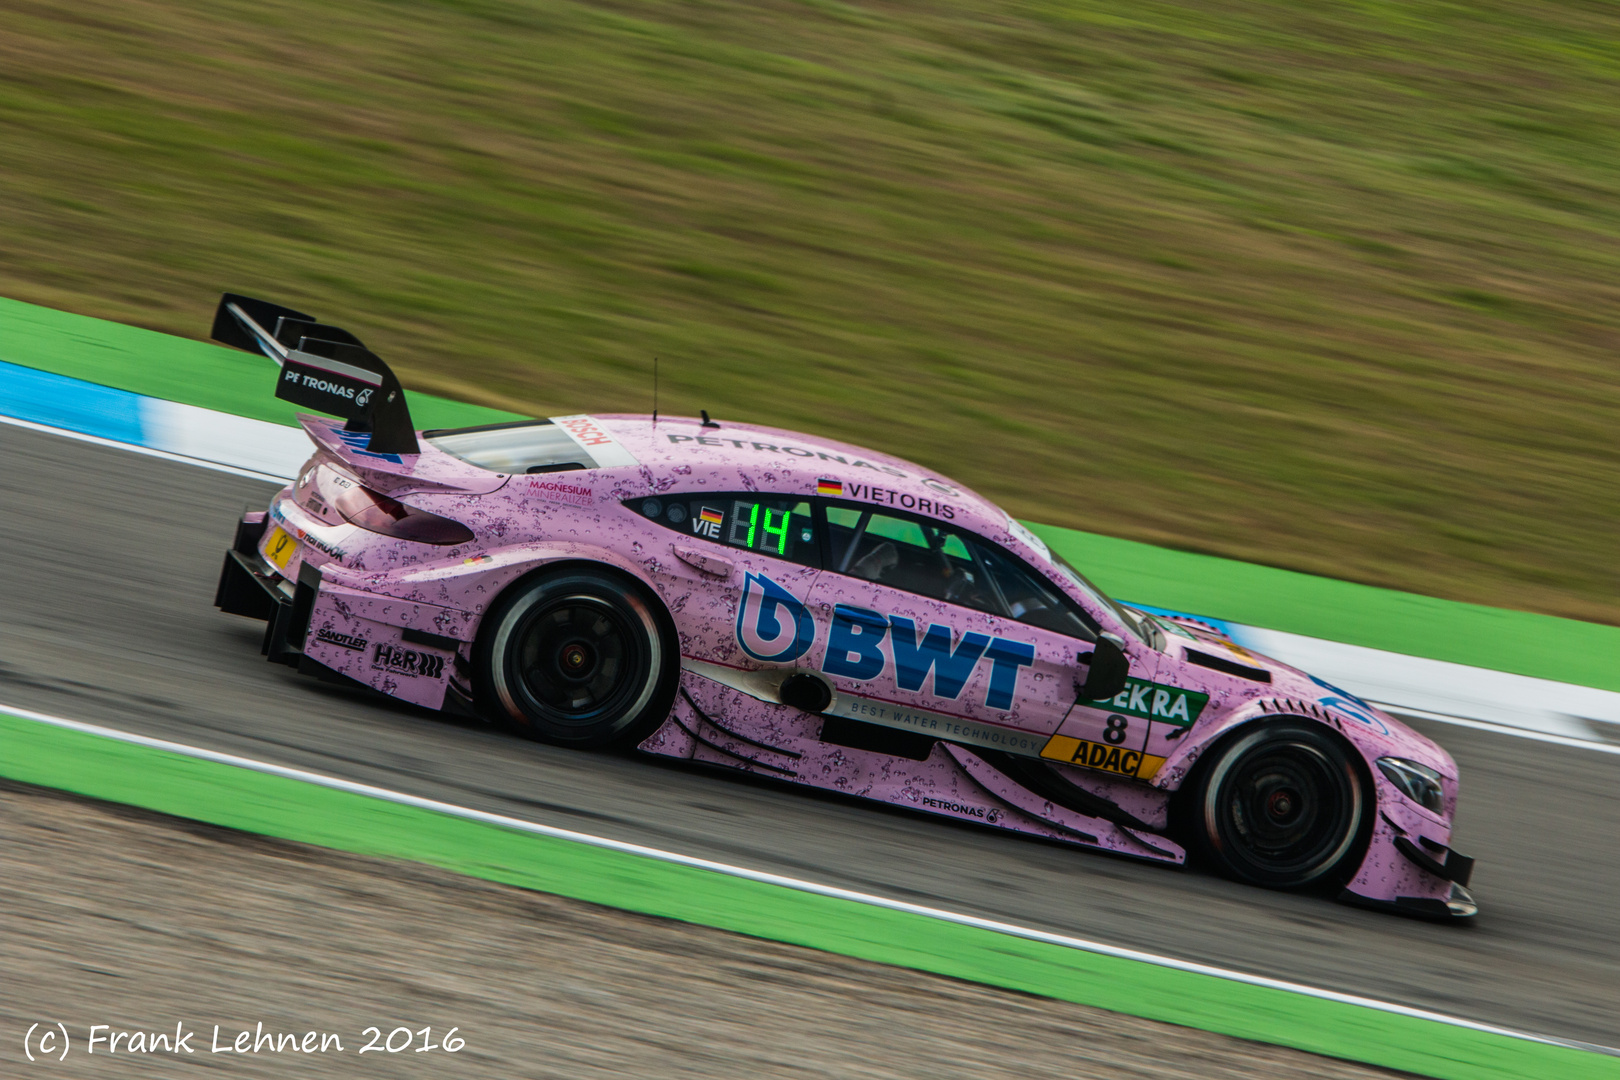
[{"x": 1327, "y": 287}]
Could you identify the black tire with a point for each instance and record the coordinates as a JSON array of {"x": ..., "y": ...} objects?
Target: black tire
[
  {"x": 578, "y": 657},
  {"x": 1281, "y": 804}
]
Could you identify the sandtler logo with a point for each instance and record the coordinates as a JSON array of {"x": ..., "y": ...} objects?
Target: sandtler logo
[{"x": 345, "y": 641}]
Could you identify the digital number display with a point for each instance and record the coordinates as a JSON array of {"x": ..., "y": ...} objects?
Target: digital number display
[
  {"x": 783, "y": 528},
  {"x": 759, "y": 527}
]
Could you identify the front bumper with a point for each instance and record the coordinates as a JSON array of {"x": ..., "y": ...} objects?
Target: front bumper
[
  {"x": 1457, "y": 904},
  {"x": 1438, "y": 860},
  {"x": 1410, "y": 872}
]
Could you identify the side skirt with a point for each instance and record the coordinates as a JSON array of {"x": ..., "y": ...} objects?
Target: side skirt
[{"x": 716, "y": 725}]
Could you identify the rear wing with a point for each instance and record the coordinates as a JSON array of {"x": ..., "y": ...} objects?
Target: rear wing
[{"x": 322, "y": 368}]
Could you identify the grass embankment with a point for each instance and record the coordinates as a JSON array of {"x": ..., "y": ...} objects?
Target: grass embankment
[{"x": 1329, "y": 287}]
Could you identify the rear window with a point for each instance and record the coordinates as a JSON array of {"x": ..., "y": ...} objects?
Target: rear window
[
  {"x": 783, "y": 528},
  {"x": 527, "y": 446}
]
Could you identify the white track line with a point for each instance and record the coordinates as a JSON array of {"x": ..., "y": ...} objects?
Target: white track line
[
  {"x": 797, "y": 884},
  {"x": 146, "y": 450},
  {"x": 1500, "y": 729}
]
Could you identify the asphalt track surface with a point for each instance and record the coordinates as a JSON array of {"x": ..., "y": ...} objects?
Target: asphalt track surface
[{"x": 108, "y": 562}]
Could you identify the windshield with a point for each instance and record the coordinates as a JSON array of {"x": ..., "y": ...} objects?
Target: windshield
[
  {"x": 527, "y": 446},
  {"x": 1170, "y": 627},
  {"x": 1134, "y": 621}
]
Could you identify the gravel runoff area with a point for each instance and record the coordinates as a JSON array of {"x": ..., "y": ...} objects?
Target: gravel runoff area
[{"x": 141, "y": 922}]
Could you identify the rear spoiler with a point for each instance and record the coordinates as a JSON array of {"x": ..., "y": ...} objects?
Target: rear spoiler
[{"x": 322, "y": 368}]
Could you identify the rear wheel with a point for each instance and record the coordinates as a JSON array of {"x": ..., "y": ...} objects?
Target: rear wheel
[
  {"x": 1282, "y": 805},
  {"x": 577, "y": 657}
]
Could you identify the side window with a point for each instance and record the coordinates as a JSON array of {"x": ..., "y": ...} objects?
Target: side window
[
  {"x": 781, "y": 528},
  {"x": 919, "y": 557},
  {"x": 1029, "y": 597},
  {"x": 938, "y": 562}
]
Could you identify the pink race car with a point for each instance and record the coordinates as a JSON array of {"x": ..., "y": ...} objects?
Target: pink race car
[{"x": 804, "y": 609}]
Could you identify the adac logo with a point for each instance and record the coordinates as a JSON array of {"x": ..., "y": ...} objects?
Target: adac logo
[{"x": 773, "y": 626}]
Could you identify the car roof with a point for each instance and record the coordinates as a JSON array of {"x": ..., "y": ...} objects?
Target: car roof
[{"x": 682, "y": 453}]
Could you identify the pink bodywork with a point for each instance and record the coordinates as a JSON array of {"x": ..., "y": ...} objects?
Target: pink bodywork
[{"x": 401, "y": 617}]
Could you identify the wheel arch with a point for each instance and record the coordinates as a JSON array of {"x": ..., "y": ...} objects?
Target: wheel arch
[
  {"x": 1182, "y": 766},
  {"x": 485, "y": 580},
  {"x": 557, "y": 563},
  {"x": 1196, "y": 759},
  {"x": 564, "y": 562}
]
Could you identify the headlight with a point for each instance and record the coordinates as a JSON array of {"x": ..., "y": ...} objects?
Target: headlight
[{"x": 1417, "y": 782}]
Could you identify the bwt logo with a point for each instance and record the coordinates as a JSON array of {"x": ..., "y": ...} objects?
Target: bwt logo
[{"x": 774, "y": 626}]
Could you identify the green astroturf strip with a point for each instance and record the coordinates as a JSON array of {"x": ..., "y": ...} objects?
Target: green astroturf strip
[
  {"x": 177, "y": 369},
  {"x": 1565, "y": 650},
  {"x": 1543, "y": 646},
  {"x": 102, "y": 768}
]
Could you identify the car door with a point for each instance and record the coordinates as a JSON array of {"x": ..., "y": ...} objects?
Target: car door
[
  {"x": 916, "y": 631},
  {"x": 1129, "y": 733}
]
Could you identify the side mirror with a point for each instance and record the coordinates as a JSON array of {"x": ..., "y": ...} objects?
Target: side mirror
[{"x": 1109, "y": 668}]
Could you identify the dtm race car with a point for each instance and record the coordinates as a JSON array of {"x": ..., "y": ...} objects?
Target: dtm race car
[{"x": 803, "y": 609}]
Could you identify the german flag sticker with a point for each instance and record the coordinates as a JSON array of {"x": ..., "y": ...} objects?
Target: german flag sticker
[{"x": 829, "y": 487}]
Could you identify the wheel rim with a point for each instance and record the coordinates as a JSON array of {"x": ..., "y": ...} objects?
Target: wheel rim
[
  {"x": 1287, "y": 812},
  {"x": 576, "y": 660}
]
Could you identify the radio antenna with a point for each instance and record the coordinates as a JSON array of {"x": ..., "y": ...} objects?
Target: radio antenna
[{"x": 655, "y": 390}]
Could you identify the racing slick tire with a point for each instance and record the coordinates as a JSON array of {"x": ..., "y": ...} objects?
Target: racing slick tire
[
  {"x": 577, "y": 657},
  {"x": 1282, "y": 805}
]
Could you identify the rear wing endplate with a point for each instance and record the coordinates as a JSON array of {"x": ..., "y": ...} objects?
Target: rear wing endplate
[{"x": 323, "y": 368}]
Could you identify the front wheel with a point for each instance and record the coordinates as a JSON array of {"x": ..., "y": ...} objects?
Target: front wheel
[
  {"x": 577, "y": 657},
  {"x": 1282, "y": 805}
]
